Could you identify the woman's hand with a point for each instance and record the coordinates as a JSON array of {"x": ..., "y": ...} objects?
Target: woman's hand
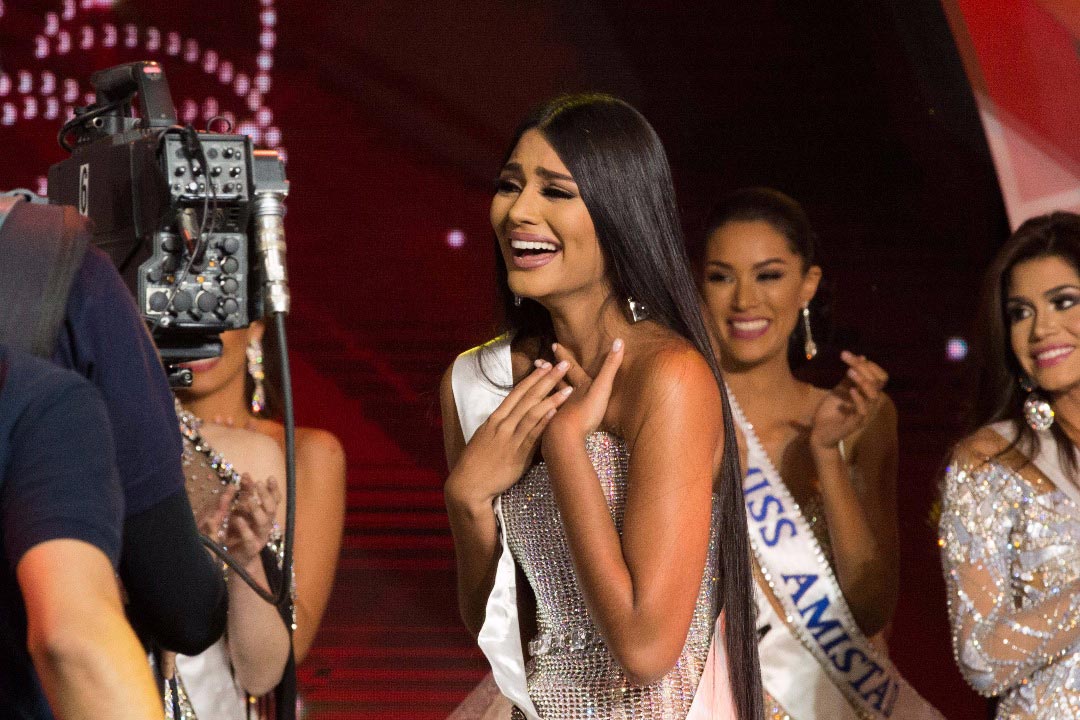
[
  {"x": 252, "y": 518},
  {"x": 212, "y": 522},
  {"x": 584, "y": 413},
  {"x": 502, "y": 448},
  {"x": 849, "y": 406}
]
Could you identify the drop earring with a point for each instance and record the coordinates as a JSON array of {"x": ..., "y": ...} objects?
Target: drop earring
[
  {"x": 517, "y": 301},
  {"x": 809, "y": 346},
  {"x": 637, "y": 310},
  {"x": 1038, "y": 413},
  {"x": 258, "y": 375}
]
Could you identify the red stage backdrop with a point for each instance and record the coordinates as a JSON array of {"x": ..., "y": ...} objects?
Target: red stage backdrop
[
  {"x": 394, "y": 116},
  {"x": 1021, "y": 58}
]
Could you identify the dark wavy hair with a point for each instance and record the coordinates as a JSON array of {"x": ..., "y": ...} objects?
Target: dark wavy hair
[
  {"x": 998, "y": 394},
  {"x": 622, "y": 172},
  {"x": 787, "y": 216}
]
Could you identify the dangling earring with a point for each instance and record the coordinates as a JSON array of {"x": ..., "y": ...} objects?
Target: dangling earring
[
  {"x": 1038, "y": 412},
  {"x": 638, "y": 310},
  {"x": 517, "y": 301},
  {"x": 255, "y": 369},
  {"x": 809, "y": 346}
]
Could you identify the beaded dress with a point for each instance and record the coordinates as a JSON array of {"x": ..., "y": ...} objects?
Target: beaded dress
[
  {"x": 1011, "y": 553},
  {"x": 205, "y": 686},
  {"x": 572, "y": 673}
]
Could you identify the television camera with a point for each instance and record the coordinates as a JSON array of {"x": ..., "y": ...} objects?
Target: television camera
[{"x": 193, "y": 220}]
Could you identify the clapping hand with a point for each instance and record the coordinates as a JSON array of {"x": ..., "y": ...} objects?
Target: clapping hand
[
  {"x": 849, "y": 406},
  {"x": 244, "y": 517}
]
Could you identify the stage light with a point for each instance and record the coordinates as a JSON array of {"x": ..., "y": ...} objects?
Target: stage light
[
  {"x": 956, "y": 349},
  {"x": 455, "y": 238},
  {"x": 239, "y": 92}
]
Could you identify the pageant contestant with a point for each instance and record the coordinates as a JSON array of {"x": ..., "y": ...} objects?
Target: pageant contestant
[
  {"x": 1010, "y": 523},
  {"x": 242, "y": 388},
  {"x": 821, "y": 466},
  {"x": 240, "y": 513},
  {"x": 593, "y": 493}
]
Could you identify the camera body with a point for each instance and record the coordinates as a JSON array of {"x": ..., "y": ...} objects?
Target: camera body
[{"x": 192, "y": 220}]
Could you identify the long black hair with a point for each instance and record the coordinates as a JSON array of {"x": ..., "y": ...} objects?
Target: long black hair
[
  {"x": 624, "y": 178},
  {"x": 786, "y": 215},
  {"x": 999, "y": 395}
]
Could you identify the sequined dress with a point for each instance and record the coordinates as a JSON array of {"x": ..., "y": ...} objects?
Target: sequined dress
[
  {"x": 573, "y": 674},
  {"x": 206, "y": 685},
  {"x": 1011, "y": 555}
]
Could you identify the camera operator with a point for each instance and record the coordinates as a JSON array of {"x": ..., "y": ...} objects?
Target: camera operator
[
  {"x": 60, "y": 519},
  {"x": 176, "y": 593}
]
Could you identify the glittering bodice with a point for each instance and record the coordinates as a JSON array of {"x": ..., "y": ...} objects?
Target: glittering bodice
[
  {"x": 573, "y": 675},
  {"x": 1011, "y": 555},
  {"x": 206, "y": 472}
]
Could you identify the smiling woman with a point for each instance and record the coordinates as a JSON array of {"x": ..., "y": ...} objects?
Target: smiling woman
[
  {"x": 821, "y": 466},
  {"x": 1010, "y": 523},
  {"x": 593, "y": 490},
  {"x": 539, "y": 217}
]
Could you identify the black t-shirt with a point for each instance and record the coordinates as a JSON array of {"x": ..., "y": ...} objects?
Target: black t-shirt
[
  {"x": 176, "y": 593},
  {"x": 58, "y": 479},
  {"x": 103, "y": 338}
]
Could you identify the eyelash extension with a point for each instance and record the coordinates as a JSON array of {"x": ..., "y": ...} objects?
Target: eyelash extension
[
  {"x": 558, "y": 193},
  {"x": 1063, "y": 298}
]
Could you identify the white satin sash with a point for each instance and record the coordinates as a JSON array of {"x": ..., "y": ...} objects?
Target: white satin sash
[
  {"x": 480, "y": 380},
  {"x": 1047, "y": 459},
  {"x": 815, "y": 662},
  {"x": 210, "y": 685}
]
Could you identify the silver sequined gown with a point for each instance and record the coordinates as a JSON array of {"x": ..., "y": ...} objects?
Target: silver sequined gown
[
  {"x": 1011, "y": 554},
  {"x": 573, "y": 675}
]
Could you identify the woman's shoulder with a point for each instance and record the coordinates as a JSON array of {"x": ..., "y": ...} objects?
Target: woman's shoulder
[
  {"x": 311, "y": 441},
  {"x": 983, "y": 446},
  {"x": 670, "y": 363},
  {"x": 993, "y": 460},
  {"x": 317, "y": 450},
  {"x": 666, "y": 377},
  {"x": 493, "y": 363},
  {"x": 319, "y": 444}
]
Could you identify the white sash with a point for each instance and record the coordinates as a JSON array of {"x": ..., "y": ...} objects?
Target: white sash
[
  {"x": 480, "y": 381},
  {"x": 815, "y": 661},
  {"x": 1047, "y": 459}
]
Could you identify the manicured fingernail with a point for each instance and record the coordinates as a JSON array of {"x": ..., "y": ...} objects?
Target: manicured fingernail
[
  {"x": 563, "y": 365},
  {"x": 617, "y": 345},
  {"x": 543, "y": 364},
  {"x": 555, "y": 347},
  {"x": 852, "y": 374},
  {"x": 566, "y": 391}
]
